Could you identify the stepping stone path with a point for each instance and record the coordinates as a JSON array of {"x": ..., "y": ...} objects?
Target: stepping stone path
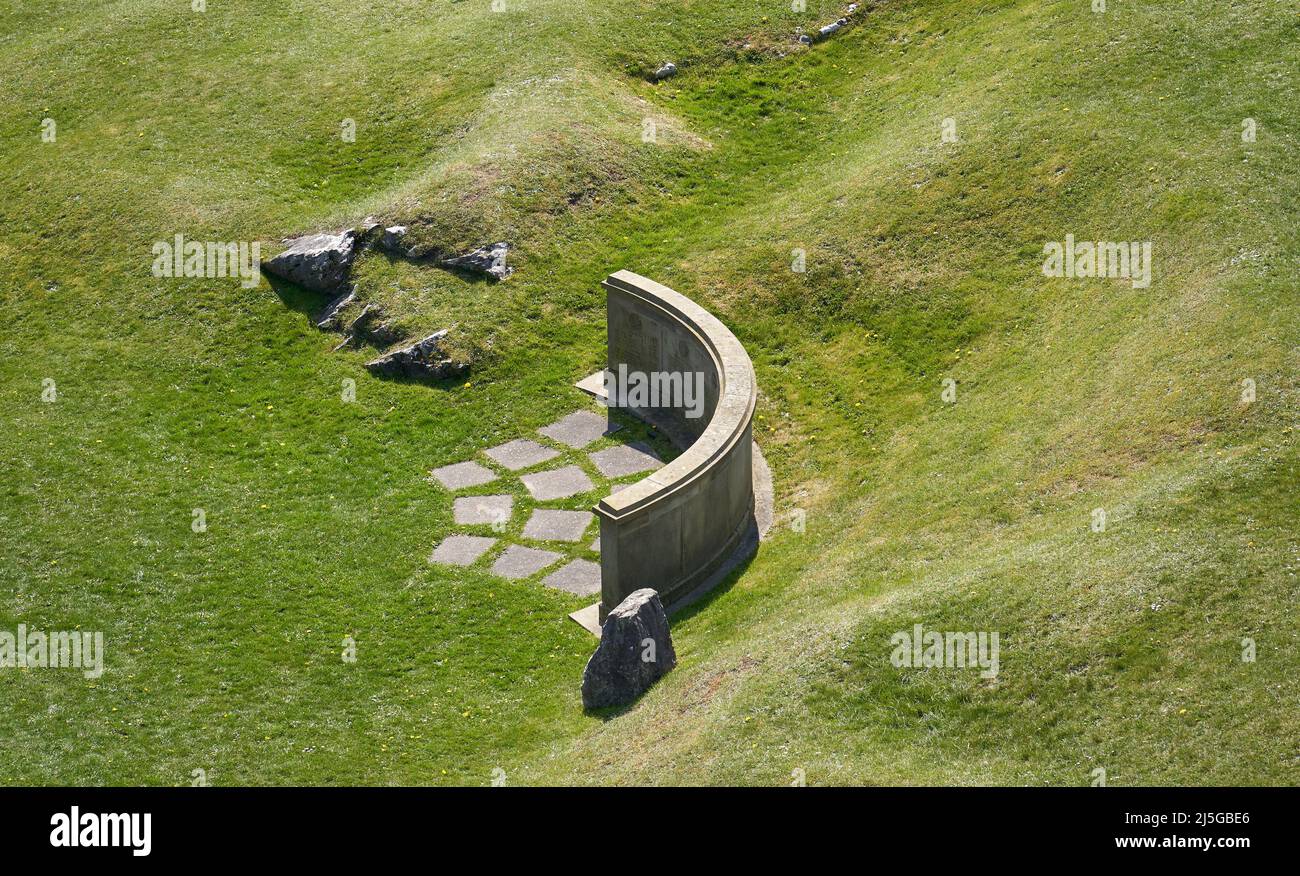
[
  {"x": 626, "y": 459},
  {"x": 580, "y": 576},
  {"x": 520, "y": 454},
  {"x": 520, "y": 562},
  {"x": 463, "y": 474},
  {"x": 563, "y": 529},
  {"x": 461, "y": 550},
  {"x": 560, "y": 483},
  {"x": 492, "y": 510},
  {"x": 549, "y": 525},
  {"x": 579, "y": 429}
]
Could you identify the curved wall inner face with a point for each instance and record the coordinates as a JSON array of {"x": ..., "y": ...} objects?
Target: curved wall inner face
[
  {"x": 673, "y": 529},
  {"x": 647, "y": 339}
]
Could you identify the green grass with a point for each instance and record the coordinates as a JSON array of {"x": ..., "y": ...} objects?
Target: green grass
[{"x": 1120, "y": 649}]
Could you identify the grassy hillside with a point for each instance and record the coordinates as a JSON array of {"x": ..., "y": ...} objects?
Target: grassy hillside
[{"x": 1121, "y": 649}]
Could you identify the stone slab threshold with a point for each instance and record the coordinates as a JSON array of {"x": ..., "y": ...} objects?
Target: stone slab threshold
[{"x": 593, "y": 385}]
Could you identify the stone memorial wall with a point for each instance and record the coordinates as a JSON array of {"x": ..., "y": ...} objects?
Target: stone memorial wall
[{"x": 673, "y": 530}]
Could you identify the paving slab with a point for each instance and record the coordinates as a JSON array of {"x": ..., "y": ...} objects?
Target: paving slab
[
  {"x": 580, "y": 576},
  {"x": 625, "y": 459},
  {"x": 594, "y": 385},
  {"x": 461, "y": 475},
  {"x": 475, "y": 510},
  {"x": 595, "y": 545},
  {"x": 588, "y": 618},
  {"x": 519, "y": 562},
  {"x": 559, "y": 483},
  {"x": 461, "y": 550},
  {"x": 520, "y": 453},
  {"x": 579, "y": 428},
  {"x": 552, "y": 525}
]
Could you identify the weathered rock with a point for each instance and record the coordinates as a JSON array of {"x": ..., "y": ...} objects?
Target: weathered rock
[
  {"x": 391, "y": 239},
  {"x": 328, "y": 319},
  {"x": 669, "y": 69},
  {"x": 319, "y": 262},
  {"x": 425, "y": 359},
  {"x": 490, "y": 260},
  {"x": 829, "y": 29},
  {"x": 635, "y": 651},
  {"x": 367, "y": 227},
  {"x": 367, "y": 314},
  {"x": 370, "y": 326}
]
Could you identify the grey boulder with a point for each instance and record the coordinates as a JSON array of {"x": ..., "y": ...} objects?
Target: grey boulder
[
  {"x": 669, "y": 69},
  {"x": 490, "y": 260},
  {"x": 635, "y": 651},
  {"x": 425, "y": 359},
  {"x": 319, "y": 262}
]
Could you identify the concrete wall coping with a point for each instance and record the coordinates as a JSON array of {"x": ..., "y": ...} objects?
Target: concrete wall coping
[{"x": 730, "y": 418}]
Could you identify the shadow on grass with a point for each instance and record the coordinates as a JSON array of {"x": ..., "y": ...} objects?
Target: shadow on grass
[{"x": 310, "y": 304}]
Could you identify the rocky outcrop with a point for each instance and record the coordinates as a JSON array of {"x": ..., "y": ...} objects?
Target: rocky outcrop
[
  {"x": 371, "y": 327},
  {"x": 824, "y": 32},
  {"x": 829, "y": 29},
  {"x": 319, "y": 262},
  {"x": 490, "y": 260},
  {"x": 635, "y": 651},
  {"x": 328, "y": 319},
  {"x": 323, "y": 263},
  {"x": 424, "y": 360},
  {"x": 391, "y": 239}
]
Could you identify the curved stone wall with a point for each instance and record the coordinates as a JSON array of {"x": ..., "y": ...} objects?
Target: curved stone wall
[{"x": 674, "y": 529}]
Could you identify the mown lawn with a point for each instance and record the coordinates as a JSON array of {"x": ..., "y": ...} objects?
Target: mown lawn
[{"x": 1121, "y": 649}]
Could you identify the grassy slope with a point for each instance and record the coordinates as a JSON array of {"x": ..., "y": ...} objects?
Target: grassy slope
[{"x": 1119, "y": 648}]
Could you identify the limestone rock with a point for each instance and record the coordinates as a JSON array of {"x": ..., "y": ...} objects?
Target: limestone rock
[
  {"x": 370, "y": 326},
  {"x": 635, "y": 651},
  {"x": 425, "y": 359},
  {"x": 319, "y": 262},
  {"x": 391, "y": 239},
  {"x": 669, "y": 69},
  {"x": 829, "y": 29},
  {"x": 490, "y": 260},
  {"x": 328, "y": 319}
]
